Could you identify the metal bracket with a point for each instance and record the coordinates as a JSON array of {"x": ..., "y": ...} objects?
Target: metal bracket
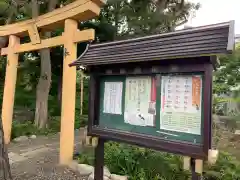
[{"x": 66, "y": 53}]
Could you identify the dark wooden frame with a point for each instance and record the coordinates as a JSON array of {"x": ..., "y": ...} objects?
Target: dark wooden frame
[{"x": 190, "y": 65}]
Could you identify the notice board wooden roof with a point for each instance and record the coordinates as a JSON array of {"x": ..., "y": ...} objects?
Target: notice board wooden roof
[{"x": 193, "y": 42}]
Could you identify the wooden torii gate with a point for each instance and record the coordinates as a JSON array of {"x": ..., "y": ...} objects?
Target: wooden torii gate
[{"x": 67, "y": 16}]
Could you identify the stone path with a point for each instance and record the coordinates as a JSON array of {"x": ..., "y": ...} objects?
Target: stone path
[{"x": 38, "y": 159}]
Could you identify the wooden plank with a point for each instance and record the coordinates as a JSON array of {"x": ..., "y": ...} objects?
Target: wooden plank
[
  {"x": 195, "y": 174},
  {"x": 84, "y": 35},
  {"x": 9, "y": 88},
  {"x": 33, "y": 34},
  {"x": 88, "y": 140},
  {"x": 199, "y": 166},
  {"x": 186, "y": 163},
  {"x": 99, "y": 2},
  {"x": 51, "y": 42},
  {"x": 81, "y": 93},
  {"x": 79, "y": 36},
  {"x": 79, "y": 10},
  {"x": 94, "y": 141},
  {"x": 213, "y": 156},
  {"x": 68, "y": 94}
]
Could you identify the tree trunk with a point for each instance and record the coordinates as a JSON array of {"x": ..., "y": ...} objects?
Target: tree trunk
[
  {"x": 60, "y": 87},
  {"x": 43, "y": 88},
  {"x": 44, "y": 83},
  {"x": 5, "y": 171}
]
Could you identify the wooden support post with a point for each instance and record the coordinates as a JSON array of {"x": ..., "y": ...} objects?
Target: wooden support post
[
  {"x": 94, "y": 141},
  {"x": 186, "y": 163},
  {"x": 68, "y": 93},
  {"x": 88, "y": 140},
  {"x": 9, "y": 88},
  {"x": 81, "y": 95},
  {"x": 199, "y": 166},
  {"x": 212, "y": 156},
  {"x": 99, "y": 160},
  {"x": 195, "y": 176}
]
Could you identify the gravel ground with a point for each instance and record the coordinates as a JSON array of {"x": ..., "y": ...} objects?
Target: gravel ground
[{"x": 43, "y": 165}]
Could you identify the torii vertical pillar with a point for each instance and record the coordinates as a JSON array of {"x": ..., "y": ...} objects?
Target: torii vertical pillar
[
  {"x": 9, "y": 88},
  {"x": 68, "y": 93}
]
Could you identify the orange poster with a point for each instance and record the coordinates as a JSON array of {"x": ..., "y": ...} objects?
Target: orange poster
[{"x": 196, "y": 90}]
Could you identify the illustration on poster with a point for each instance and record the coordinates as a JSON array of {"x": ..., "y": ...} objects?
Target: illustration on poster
[{"x": 140, "y": 101}]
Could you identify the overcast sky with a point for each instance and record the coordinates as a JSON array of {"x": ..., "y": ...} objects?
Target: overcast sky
[{"x": 216, "y": 11}]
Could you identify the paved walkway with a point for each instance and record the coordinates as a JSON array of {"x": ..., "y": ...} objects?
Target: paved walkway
[{"x": 37, "y": 159}]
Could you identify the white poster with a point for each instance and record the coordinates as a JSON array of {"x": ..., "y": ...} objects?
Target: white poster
[
  {"x": 181, "y": 98},
  {"x": 113, "y": 98},
  {"x": 140, "y": 101}
]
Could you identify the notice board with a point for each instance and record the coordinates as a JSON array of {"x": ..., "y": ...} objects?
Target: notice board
[{"x": 169, "y": 106}]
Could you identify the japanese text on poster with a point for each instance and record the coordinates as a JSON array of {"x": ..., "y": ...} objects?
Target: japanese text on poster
[
  {"x": 181, "y": 104},
  {"x": 140, "y": 101},
  {"x": 113, "y": 97}
]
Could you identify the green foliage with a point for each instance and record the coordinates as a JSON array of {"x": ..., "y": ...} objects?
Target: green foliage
[
  {"x": 27, "y": 128},
  {"x": 20, "y": 129},
  {"x": 138, "y": 18},
  {"x": 144, "y": 164},
  {"x": 227, "y": 75},
  {"x": 150, "y": 17},
  {"x": 227, "y": 82},
  {"x": 140, "y": 163},
  {"x": 226, "y": 168}
]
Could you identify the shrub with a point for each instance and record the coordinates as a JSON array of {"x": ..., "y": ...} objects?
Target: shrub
[
  {"x": 145, "y": 164},
  {"x": 27, "y": 128},
  {"x": 226, "y": 168},
  {"x": 139, "y": 163},
  {"x": 23, "y": 129}
]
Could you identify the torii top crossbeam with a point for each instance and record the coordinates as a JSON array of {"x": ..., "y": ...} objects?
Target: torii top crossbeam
[{"x": 80, "y": 10}]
